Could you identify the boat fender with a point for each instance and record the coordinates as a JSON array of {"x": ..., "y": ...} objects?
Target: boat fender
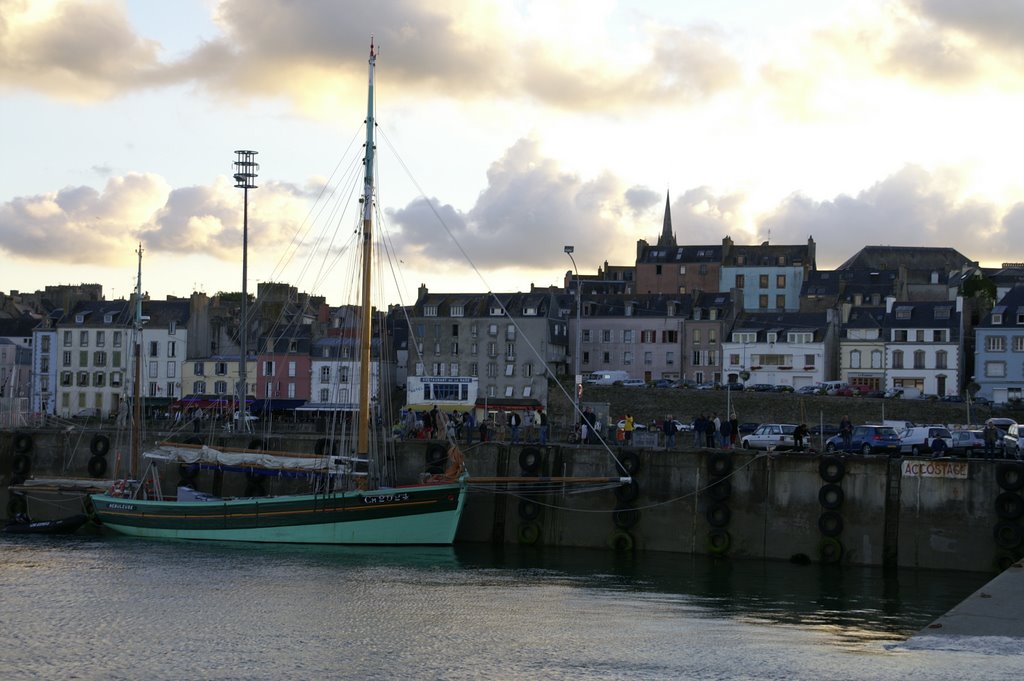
[
  {"x": 719, "y": 541},
  {"x": 530, "y": 459},
  {"x": 719, "y": 463},
  {"x": 529, "y": 509},
  {"x": 16, "y": 505},
  {"x": 628, "y": 492},
  {"x": 718, "y": 514},
  {"x": 629, "y": 462},
  {"x": 22, "y": 443},
  {"x": 831, "y": 496},
  {"x": 625, "y": 517},
  {"x": 620, "y": 541},
  {"x": 831, "y": 468},
  {"x": 830, "y": 523},
  {"x": 830, "y": 550},
  {"x": 720, "y": 489},
  {"x": 118, "y": 488},
  {"x": 436, "y": 455},
  {"x": 529, "y": 533},
  {"x": 1009, "y": 506},
  {"x": 99, "y": 445},
  {"x": 1008, "y": 534},
  {"x": 1010, "y": 476},
  {"x": 21, "y": 465},
  {"x": 97, "y": 466}
]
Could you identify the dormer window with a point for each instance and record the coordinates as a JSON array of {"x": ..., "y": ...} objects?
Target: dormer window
[
  {"x": 903, "y": 312},
  {"x": 530, "y": 312},
  {"x": 79, "y": 318},
  {"x": 430, "y": 310},
  {"x": 773, "y": 337},
  {"x": 496, "y": 311},
  {"x": 108, "y": 318},
  {"x": 942, "y": 312},
  {"x": 458, "y": 311},
  {"x": 997, "y": 318}
]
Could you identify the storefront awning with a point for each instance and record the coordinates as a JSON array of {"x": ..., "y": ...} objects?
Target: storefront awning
[{"x": 275, "y": 405}]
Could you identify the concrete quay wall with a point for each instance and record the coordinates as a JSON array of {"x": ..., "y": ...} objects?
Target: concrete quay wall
[{"x": 871, "y": 510}]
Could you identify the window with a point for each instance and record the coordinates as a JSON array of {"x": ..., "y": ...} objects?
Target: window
[
  {"x": 455, "y": 348},
  {"x": 682, "y": 269},
  {"x": 734, "y": 359},
  {"x": 627, "y": 336},
  {"x": 585, "y": 336},
  {"x": 995, "y": 369},
  {"x": 899, "y": 335},
  {"x": 762, "y": 302},
  {"x": 606, "y": 335},
  {"x": 458, "y": 311},
  {"x": 474, "y": 369},
  {"x": 670, "y": 358},
  {"x": 780, "y": 281},
  {"x": 855, "y": 359},
  {"x": 740, "y": 280},
  {"x": 876, "y": 359},
  {"x": 1018, "y": 343},
  {"x": 695, "y": 360},
  {"x": 325, "y": 395},
  {"x": 198, "y": 387},
  {"x": 66, "y": 378},
  {"x": 172, "y": 327},
  {"x": 627, "y": 358},
  {"x": 809, "y": 360},
  {"x": 83, "y": 378},
  {"x": 268, "y": 368},
  {"x": 919, "y": 359},
  {"x": 221, "y": 387},
  {"x": 606, "y": 358},
  {"x": 763, "y": 281},
  {"x": 170, "y": 389},
  {"x": 648, "y": 336},
  {"x": 897, "y": 359},
  {"x": 772, "y": 337},
  {"x": 648, "y": 358},
  {"x": 939, "y": 336},
  {"x": 220, "y": 368},
  {"x": 748, "y": 337},
  {"x": 510, "y": 351},
  {"x": 492, "y": 370},
  {"x": 657, "y": 269},
  {"x": 696, "y": 336},
  {"x": 712, "y": 336},
  {"x": 198, "y": 368},
  {"x": 117, "y": 339},
  {"x": 903, "y": 312},
  {"x": 115, "y": 379},
  {"x": 172, "y": 370},
  {"x": 669, "y": 336},
  {"x": 941, "y": 357},
  {"x": 291, "y": 369},
  {"x": 510, "y": 369},
  {"x": 800, "y": 337},
  {"x": 919, "y": 336},
  {"x": 291, "y": 391},
  {"x": 172, "y": 348},
  {"x": 101, "y": 338},
  {"x": 430, "y": 310},
  {"x": 67, "y": 338},
  {"x": 492, "y": 329},
  {"x": 66, "y": 358},
  {"x": 83, "y": 358},
  {"x": 509, "y": 391},
  {"x": 995, "y": 343},
  {"x": 343, "y": 374},
  {"x": 510, "y": 332},
  {"x": 154, "y": 349},
  {"x": 154, "y": 369},
  {"x": 83, "y": 338},
  {"x": 780, "y": 301},
  {"x": 492, "y": 349}
]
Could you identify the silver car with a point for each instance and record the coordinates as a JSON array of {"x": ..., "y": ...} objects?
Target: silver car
[{"x": 770, "y": 436}]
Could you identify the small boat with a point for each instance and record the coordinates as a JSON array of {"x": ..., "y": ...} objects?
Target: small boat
[{"x": 69, "y": 525}]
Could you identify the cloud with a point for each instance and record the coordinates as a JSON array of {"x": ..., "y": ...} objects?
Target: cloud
[
  {"x": 530, "y": 209},
  {"x": 701, "y": 217},
  {"x": 925, "y": 208},
  {"x": 314, "y": 54}
]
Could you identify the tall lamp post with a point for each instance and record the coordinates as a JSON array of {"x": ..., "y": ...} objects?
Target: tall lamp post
[
  {"x": 246, "y": 170},
  {"x": 579, "y": 332}
]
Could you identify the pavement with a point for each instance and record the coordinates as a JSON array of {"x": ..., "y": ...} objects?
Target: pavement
[{"x": 990, "y": 619}]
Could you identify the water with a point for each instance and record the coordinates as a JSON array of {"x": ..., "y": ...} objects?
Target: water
[{"x": 98, "y": 607}]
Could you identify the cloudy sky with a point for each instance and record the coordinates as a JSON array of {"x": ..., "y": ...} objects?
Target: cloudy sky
[{"x": 523, "y": 126}]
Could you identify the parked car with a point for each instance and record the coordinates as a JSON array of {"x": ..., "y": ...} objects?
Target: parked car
[
  {"x": 663, "y": 383},
  {"x": 968, "y": 442},
  {"x": 621, "y": 425},
  {"x": 1013, "y": 447},
  {"x": 877, "y": 394},
  {"x": 733, "y": 386},
  {"x": 770, "y": 436},
  {"x": 808, "y": 390},
  {"x": 852, "y": 391},
  {"x": 682, "y": 427},
  {"x": 918, "y": 440},
  {"x": 824, "y": 429},
  {"x": 782, "y": 388},
  {"x": 634, "y": 383},
  {"x": 760, "y": 387},
  {"x": 706, "y": 386},
  {"x": 868, "y": 439}
]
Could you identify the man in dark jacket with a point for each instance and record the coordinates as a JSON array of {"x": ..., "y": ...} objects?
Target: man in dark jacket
[{"x": 669, "y": 428}]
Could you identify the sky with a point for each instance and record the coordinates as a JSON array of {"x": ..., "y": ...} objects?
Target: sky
[{"x": 506, "y": 130}]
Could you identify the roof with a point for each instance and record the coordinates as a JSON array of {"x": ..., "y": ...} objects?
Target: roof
[{"x": 941, "y": 259}]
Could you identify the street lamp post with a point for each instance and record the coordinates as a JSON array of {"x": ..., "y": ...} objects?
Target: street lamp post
[
  {"x": 246, "y": 170},
  {"x": 578, "y": 384}
]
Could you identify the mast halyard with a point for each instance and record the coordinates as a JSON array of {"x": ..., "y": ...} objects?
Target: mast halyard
[
  {"x": 136, "y": 429},
  {"x": 363, "y": 420}
]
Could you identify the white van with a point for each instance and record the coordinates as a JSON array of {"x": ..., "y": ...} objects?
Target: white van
[
  {"x": 899, "y": 426},
  {"x": 918, "y": 440},
  {"x": 607, "y": 377},
  {"x": 831, "y": 387}
]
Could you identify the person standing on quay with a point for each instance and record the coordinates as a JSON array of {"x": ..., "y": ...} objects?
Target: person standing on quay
[
  {"x": 989, "y": 435},
  {"x": 726, "y": 434},
  {"x": 669, "y": 428},
  {"x": 699, "y": 424},
  {"x": 542, "y": 421},
  {"x": 714, "y": 424},
  {"x": 734, "y": 429},
  {"x": 628, "y": 428}
]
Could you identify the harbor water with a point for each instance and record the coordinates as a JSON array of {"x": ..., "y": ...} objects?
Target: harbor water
[{"x": 98, "y": 607}]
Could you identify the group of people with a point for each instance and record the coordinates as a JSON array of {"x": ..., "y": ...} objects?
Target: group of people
[{"x": 709, "y": 430}]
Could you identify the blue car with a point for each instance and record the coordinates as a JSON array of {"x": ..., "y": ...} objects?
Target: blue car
[{"x": 867, "y": 440}]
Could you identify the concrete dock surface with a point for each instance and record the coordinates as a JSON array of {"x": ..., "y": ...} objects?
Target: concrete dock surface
[{"x": 990, "y": 619}]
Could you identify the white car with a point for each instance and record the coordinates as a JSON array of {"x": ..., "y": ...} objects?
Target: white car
[
  {"x": 770, "y": 436},
  {"x": 621, "y": 425},
  {"x": 634, "y": 383}
]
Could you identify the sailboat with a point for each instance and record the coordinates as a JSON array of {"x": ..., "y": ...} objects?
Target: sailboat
[{"x": 340, "y": 509}]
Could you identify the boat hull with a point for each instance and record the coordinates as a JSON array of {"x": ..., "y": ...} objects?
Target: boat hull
[
  {"x": 427, "y": 514},
  {"x": 67, "y": 525}
]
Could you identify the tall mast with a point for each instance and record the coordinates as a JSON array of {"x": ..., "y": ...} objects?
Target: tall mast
[
  {"x": 136, "y": 430},
  {"x": 245, "y": 177},
  {"x": 363, "y": 422}
]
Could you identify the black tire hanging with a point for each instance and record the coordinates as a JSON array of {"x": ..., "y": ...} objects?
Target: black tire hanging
[
  {"x": 21, "y": 465},
  {"x": 719, "y": 541},
  {"x": 718, "y": 514},
  {"x": 1009, "y": 506},
  {"x": 830, "y": 523},
  {"x": 628, "y": 463},
  {"x": 830, "y": 550},
  {"x": 628, "y": 492},
  {"x": 831, "y": 468},
  {"x": 620, "y": 541},
  {"x": 626, "y": 517},
  {"x": 1010, "y": 476},
  {"x": 99, "y": 445},
  {"x": 22, "y": 443},
  {"x": 719, "y": 464},
  {"x": 1008, "y": 534},
  {"x": 831, "y": 496},
  {"x": 436, "y": 455},
  {"x": 529, "y": 509},
  {"x": 529, "y": 533},
  {"x": 530, "y": 459},
  {"x": 97, "y": 466}
]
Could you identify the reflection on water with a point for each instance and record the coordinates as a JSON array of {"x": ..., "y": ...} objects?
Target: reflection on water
[{"x": 182, "y": 610}]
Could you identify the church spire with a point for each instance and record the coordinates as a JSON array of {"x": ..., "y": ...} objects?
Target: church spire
[{"x": 667, "y": 238}]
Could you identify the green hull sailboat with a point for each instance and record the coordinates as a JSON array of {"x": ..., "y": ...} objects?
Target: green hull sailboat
[{"x": 339, "y": 509}]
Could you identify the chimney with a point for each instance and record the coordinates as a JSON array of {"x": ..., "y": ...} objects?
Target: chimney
[{"x": 889, "y": 301}]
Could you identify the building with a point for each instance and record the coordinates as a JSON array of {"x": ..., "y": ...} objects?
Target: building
[
  {"x": 672, "y": 269},
  {"x": 768, "y": 278},
  {"x": 792, "y": 349},
  {"x": 999, "y": 357},
  {"x": 923, "y": 346},
  {"x": 704, "y": 330}
]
